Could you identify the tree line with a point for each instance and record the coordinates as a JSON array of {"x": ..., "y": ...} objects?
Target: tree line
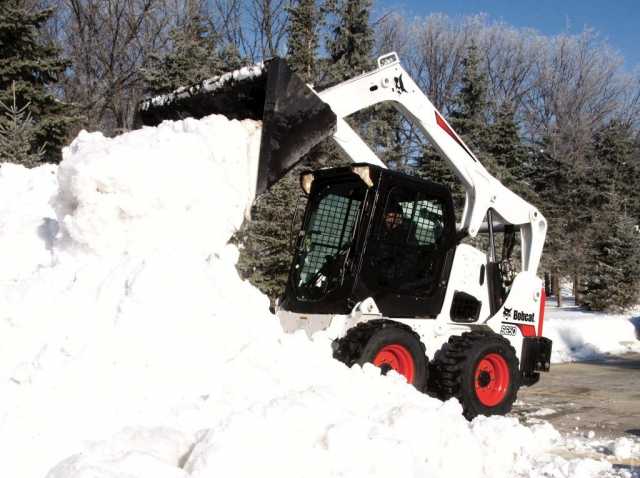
[{"x": 555, "y": 118}]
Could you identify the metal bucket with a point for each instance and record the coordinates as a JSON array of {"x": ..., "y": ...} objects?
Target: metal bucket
[{"x": 294, "y": 119}]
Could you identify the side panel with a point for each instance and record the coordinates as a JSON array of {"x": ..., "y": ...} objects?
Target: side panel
[
  {"x": 520, "y": 314},
  {"x": 467, "y": 275}
]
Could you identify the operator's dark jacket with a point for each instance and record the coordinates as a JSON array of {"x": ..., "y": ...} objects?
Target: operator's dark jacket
[{"x": 392, "y": 256}]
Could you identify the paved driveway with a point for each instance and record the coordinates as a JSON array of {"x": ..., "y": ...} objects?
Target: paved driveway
[{"x": 578, "y": 398}]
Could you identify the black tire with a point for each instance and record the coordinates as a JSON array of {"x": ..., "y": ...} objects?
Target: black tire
[
  {"x": 480, "y": 369},
  {"x": 381, "y": 339}
]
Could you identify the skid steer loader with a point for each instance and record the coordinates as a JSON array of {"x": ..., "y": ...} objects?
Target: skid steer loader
[{"x": 379, "y": 263}]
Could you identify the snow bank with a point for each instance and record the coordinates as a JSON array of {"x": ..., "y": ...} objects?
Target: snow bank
[
  {"x": 581, "y": 335},
  {"x": 27, "y": 222},
  {"x": 131, "y": 348}
]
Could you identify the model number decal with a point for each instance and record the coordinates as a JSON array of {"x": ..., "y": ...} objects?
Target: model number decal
[{"x": 508, "y": 330}]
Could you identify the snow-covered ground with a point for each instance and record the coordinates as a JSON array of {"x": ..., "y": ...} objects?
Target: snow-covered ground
[
  {"x": 129, "y": 346},
  {"x": 582, "y": 335}
]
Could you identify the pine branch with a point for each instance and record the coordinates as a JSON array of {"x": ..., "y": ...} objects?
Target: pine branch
[{"x": 18, "y": 134}]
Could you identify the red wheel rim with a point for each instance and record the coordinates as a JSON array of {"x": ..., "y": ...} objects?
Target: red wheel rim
[
  {"x": 398, "y": 358},
  {"x": 492, "y": 379}
]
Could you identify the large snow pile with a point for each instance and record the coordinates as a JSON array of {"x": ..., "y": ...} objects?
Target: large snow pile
[
  {"x": 129, "y": 346},
  {"x": 582, "y": 335}
]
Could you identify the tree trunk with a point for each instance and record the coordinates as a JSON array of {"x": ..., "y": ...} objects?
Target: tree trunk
[
  {"x": 556, "y": 288},
  {"x": 576, "y": 288},
  {"x": 548, "y": 290}
]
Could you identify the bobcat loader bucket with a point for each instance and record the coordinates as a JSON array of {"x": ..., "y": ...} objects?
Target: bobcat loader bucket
[{"x": 294, "y": 118}]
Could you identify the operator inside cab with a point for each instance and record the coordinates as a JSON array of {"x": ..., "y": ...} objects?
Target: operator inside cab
[
  {"x": 397, "y": 229},
  {"x": 399, "y": 260}
]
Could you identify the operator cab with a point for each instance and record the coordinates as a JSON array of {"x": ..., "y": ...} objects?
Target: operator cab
[{"x": 371, "y": 232}]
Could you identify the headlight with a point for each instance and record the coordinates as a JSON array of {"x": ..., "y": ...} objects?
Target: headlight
[
  {"x": 305, "y": 182},
  {"x": 365, "y": 174}
]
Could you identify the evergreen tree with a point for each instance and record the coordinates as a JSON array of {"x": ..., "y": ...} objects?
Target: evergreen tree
[
  {"x": 17, "y": 134},
  {"x": 553, "y": 181},
  {"x": 512, "y": 162},
  {"x": 468, "y": 120},
  {"x": 265, "y": 249},
  {"x": 195, "y": 56},
  {"x": 351, "y": 42},
  {"x": 616, "y": 169},
  {"x": 608, "y": 196},
  {"x": 470, "y": 104},
  {"x": 304, "y": 21},
  {"x": 613, "y": 279},
  {"x": 383, "y": 130},
  {"x": 265, "y": 241},
  {"x": 503, "y": 140},
  {"x": 350, "y": 46},
  {"x": 34, "y": 68},
  {"x": 634, "y": 163},
  {"x": 433, "y": 167}
]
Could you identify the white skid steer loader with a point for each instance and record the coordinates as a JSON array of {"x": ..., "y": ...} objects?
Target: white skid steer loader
[{"x": 379, "y": 262}]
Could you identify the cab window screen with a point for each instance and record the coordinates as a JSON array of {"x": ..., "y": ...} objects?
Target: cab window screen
[
  {"x": 412, "y": 220},
  {"x": 330, "y": 229},
  {"x": 429, "y": 220},
  {"x": 328, "y": 235}
]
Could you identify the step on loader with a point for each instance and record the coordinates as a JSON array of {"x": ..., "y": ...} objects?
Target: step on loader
[{"x": 380, "y": 263}]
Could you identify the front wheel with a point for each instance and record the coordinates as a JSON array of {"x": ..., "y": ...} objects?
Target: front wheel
[{"x": 389, "y": 346}]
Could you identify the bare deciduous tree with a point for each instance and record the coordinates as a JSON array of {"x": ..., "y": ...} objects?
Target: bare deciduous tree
[
  {"x": 269, "y": 26},
  {"x": 436, "y": 57},
  {"x": 108, "y": 41},
  {"x": 228, "y": 20},
  {"x": 257, "y": 28}
]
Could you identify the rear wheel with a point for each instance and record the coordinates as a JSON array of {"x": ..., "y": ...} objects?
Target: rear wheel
[
  {"x": 480, "y": 369},
  {"x": 388, "y": 345}
]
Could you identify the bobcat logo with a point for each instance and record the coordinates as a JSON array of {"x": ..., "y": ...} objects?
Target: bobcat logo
[
  {"x": 399, "y": 84},
  {"x": 506, "y": 313}
]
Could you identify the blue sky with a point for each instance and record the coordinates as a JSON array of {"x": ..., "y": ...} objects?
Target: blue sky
[{"x": 617, "y": 21}]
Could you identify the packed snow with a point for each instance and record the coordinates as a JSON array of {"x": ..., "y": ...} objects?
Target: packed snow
[
  {"x": 208, "y": 85},
  {"x": 131, "y": 348}
]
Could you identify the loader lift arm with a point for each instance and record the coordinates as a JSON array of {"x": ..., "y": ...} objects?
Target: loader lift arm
[{"x": 391, "y": 83}]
